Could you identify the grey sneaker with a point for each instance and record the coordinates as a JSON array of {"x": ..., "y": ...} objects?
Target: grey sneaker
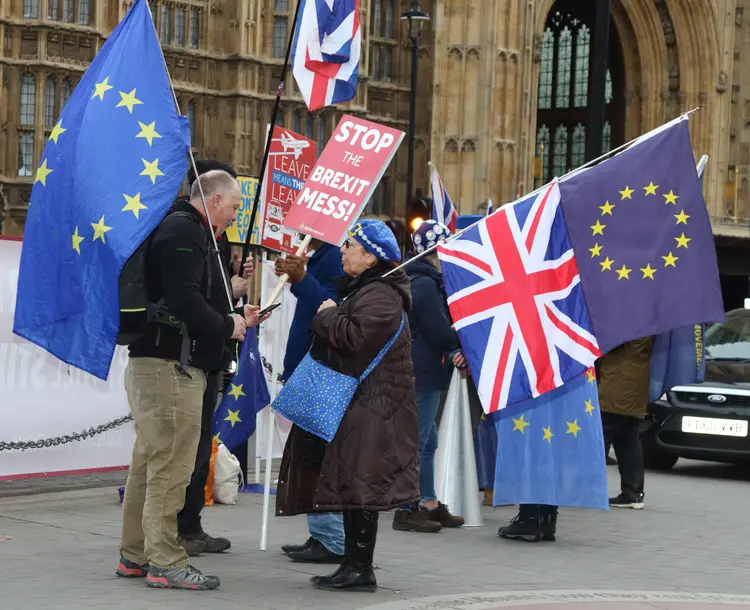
[{"x": 181, "y": 577}]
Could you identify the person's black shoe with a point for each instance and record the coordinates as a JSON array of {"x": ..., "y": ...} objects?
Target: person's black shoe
[
  {"x": 315, "y": 553},
  {"x": 296, "y": 548},
  {"x": 526, "y": 529},
  {"x": 347, "y": 578},
  {"x": 549, "y": 528},
  {"x": 210, "y": 544},
  {"x": 623, "y": 501}
]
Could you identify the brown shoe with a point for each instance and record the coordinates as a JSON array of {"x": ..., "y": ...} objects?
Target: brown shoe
[
  {"x": 192, "y": 546},
  {"x": 442, "y": 515},
  {"x": 415, "y": 520}
]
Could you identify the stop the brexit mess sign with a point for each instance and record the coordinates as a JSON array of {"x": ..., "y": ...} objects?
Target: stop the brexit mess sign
[
  {"x": 290, "y": 160},
  {"x": 343, "y": 179}
]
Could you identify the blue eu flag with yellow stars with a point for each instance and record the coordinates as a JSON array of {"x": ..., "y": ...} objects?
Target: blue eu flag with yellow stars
[
  {"x": 109, "y": 173},
  {"x": 247, "y": 394},
  {"x": 642, "y": 239},
  {"x": 550, "y": 449}
]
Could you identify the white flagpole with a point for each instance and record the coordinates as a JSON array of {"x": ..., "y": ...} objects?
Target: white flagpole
[{"x": 270, "y": 428}]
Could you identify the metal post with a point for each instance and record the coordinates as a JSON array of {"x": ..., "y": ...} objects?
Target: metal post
[
  {"x": 412, "y": 120},
  {"x": 599, "y": 61}
]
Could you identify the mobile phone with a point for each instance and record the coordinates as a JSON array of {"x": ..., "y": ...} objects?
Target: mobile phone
[{"x": 268, "y": 309}]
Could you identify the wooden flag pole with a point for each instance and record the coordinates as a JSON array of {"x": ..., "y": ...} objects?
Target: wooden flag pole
[{"x": 283, "y": 279}]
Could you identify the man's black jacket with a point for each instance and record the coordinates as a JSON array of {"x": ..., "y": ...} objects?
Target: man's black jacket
[{"x": 176, "y": 270}]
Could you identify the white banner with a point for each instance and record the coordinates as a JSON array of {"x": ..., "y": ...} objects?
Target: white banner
[
  {"x": 41, "y": 398},
  {"x": 276, "y": 329}
]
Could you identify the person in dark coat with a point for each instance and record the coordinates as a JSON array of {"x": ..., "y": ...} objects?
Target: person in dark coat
[
  {"x": 312, "y": 286},
  {"x": 433, "y": 343},
  {"x": 372, "y": 464}
]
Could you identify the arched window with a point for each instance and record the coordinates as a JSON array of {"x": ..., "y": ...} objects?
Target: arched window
[
  {"x": 65, "y": 90},
  {"x": 50, "y": 93},
  {"x": 564, "y": 81},
  {"x": 28, "y": 99}
]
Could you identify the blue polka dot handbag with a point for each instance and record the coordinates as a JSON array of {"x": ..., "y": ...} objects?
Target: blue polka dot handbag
[{"x": 315, "y": 396}]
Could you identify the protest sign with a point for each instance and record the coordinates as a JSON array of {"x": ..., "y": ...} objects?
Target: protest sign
[
  {"x": 290, "y": 159},
  {"x": 343, "y": 179},
  {"x": 237, "y": 231}
]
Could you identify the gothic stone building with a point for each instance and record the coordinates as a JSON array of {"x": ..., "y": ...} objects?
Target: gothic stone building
[{"x": 502, "y": 90}]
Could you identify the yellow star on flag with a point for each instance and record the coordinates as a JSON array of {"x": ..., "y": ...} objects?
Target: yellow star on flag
[
  {"x": 607, "y": 208},
  {"x": 627, "y": 193},
  {"x": 623, "y": 273},
  {"x": 152, "y": 170},
  {"x": 100, "y": 229},
  {"x": 236, "y": 391},
  {"x": 42, "y": 172},
  {"x": 682, "y": 241},
  {"x": 101, "y": 89},
  {"x": 598, "y": 228},
  {"x": 519, "y": 424},
  {"x": 148, "y": 132},
  {"x": 590, "y": 407},
  {"x": 216, "y": 437},
  {"x": 56, "y": 131},
  {"x": 573, "y": 428},
  {"x": 651, "y": 189},
  {"x": 670, "y": 197},
  {"x": 233, "y": 417},
  {"x": 596, "y": 250},
  {"x": 128, "y": 101},
  {"x": 607, "y": 264},
  {"x": 648, "y": 272},
  {"x": 548, "y": 434},
  {"x": 591, "y": 375},
  {"x": 682, "y": 218},
  {"x": 669, "y": 260},
  {"x": 134, "y": 204},
  {"x": 77, "y": 239}
]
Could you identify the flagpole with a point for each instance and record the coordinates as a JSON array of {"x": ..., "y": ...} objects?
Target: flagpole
[
  {"x": 614, "y": 151},
  {"x": 266, "y": 152}
]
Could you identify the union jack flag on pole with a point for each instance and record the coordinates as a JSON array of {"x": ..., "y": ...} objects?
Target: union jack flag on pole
[
  {"x": 442, "y": 206},
  {"x": 515, "y": 296},
  {"x": 326, "y": 51}
]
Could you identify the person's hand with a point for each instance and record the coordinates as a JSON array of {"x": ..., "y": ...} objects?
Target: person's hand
[
  {"x": 293, "y": 266},
  {"x": 326, "y": 304},
  {"x": 248, "y": 270},
  {"x": 459, "y": 360},
  {"x": 239, "y": 286},
  {"x": 240, "y": 327},
  {"x": 252, "y": 318}
]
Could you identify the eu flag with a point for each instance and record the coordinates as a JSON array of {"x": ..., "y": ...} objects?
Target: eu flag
[
  {"x": 550, "y": 449},
  {"x": 109, "y": 173},
  {"x": 234, "y": 421},
  {"x": 643, "y": 241}
]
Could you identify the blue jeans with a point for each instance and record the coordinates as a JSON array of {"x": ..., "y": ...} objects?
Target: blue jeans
[
  {"x": 428, "y": 403},
  {"x": 328, "y": 529}
]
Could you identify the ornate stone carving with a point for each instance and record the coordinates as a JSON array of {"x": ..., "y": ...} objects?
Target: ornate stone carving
[
  {"x": 735, "y": 94},
  {"x": 469, "y": 145},
  {"x": 732, "y": 132},
  {"x": 721, "y": 85},
  {"x": 4, "y": 127}
]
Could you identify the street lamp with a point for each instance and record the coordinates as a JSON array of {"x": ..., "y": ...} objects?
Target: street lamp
[{"x": 416, "y": 19}]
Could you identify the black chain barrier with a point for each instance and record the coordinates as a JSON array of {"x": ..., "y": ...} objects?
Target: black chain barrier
[{"x": 67, "y": 438}]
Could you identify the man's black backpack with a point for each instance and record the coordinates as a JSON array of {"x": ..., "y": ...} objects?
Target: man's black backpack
[{"x": 136, "y": 310}]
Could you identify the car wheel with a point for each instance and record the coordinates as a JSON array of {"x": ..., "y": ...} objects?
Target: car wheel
[{"x": 654, "y": 458}]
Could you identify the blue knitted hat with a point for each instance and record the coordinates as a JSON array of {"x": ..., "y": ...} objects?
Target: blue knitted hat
[
  {"x": 377, "y": 238},
  {"x": 429, "y": 234}
]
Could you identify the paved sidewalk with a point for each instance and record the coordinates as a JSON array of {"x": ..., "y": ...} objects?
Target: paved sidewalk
[{"x": 691, "y": 539}]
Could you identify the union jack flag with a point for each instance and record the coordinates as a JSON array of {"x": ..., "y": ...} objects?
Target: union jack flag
[
  {"x": 442, "y": 206},
  {"x": 515, "y": 297},
  {"x": 326, "y": 50}
]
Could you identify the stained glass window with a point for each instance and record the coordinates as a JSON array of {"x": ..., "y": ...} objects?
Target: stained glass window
[
  {"x": 564, "y": 57},
  {"x": 608, "y": 88},
  {"x": 542, "y": 150},
  {"x": 583, "y": 46},
  {"x": 578, "y": 152},
  {"x": 28, "y": 99},
  {"x": 26, "y": 154},
  {"x": 65, "y": 90},
  {"x": 50, "y": 92},
  {"x": 547, "y": 69},
  {"x": 607, "y": 137},
  {"x": 560, "y": 153}
]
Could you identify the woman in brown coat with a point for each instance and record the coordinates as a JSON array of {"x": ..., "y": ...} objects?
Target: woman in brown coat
[{"x": 372, "y": 463}]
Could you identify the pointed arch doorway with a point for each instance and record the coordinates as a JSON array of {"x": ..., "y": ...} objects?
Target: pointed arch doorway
[{"x": 563, "y": 94}]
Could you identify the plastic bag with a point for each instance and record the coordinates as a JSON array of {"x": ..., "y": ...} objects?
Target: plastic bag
[{"x": 226, "y": 476}]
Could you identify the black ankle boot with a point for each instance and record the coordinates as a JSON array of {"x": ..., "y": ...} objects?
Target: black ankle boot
[{"x": 356, "y": 574}]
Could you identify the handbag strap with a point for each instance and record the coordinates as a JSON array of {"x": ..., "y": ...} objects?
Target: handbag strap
[{"x": 383, "y": 351}]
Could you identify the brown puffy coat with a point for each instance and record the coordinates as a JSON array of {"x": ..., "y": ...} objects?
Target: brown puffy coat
[
  {"x": 623, "y": 377},
  {"x": 372, "y": 463}
]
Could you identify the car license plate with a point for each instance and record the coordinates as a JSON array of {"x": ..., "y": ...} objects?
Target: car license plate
[{"x": 718, "y": 427}]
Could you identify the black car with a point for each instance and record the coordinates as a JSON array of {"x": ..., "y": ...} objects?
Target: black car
[{"x": 709, "y": 420}]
